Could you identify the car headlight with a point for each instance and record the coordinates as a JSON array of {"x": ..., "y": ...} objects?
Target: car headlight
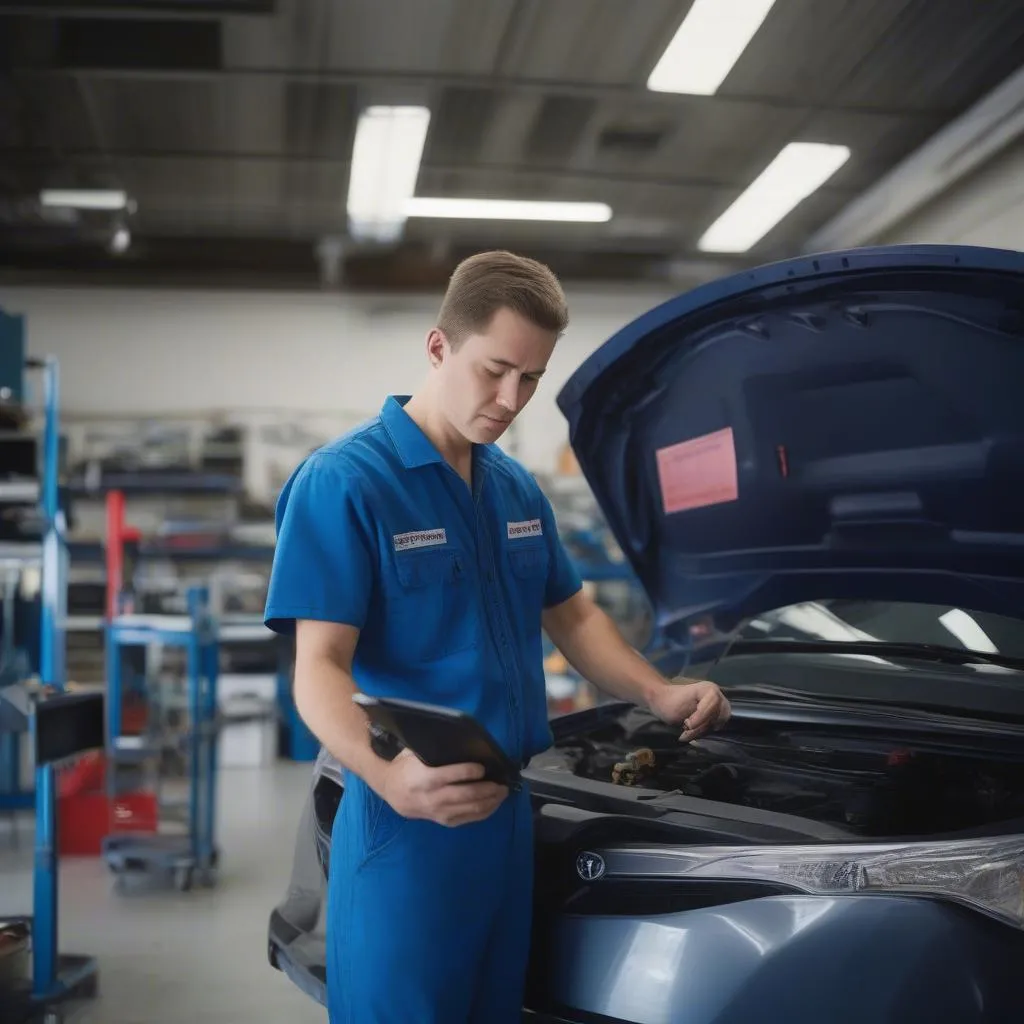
[{"x": 986, "y": 874}]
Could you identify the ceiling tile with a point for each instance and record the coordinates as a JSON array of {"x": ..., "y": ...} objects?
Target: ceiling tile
[
  {"x": 595, "y": 41},
  {"x": 459, "y": 123},
  {"x": 560, "y": 124},
  {"x": 319, "y": 119}
]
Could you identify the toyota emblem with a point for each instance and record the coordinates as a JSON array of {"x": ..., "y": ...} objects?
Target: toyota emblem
[{"x": 589, "y": 866}]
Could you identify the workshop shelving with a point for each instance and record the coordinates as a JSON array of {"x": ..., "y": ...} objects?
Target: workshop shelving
[{"x": 182, "y": 855}]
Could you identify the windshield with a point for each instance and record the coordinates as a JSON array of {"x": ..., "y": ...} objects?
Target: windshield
[{"x": 842, "y": 621}]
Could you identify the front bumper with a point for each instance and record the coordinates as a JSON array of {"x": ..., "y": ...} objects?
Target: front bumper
[{"x": 798, "y": 959}]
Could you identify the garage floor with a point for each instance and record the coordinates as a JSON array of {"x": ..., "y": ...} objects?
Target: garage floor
[{"x": 166, "y": 957}]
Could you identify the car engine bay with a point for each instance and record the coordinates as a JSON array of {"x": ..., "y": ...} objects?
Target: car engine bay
[{"x": 872, "y": 784}]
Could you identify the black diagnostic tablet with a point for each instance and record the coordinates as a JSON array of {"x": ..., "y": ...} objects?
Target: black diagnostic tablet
[{"x": 440, "y": 736}]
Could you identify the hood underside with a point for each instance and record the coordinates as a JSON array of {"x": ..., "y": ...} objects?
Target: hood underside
[{"x": 849, "y": 425}]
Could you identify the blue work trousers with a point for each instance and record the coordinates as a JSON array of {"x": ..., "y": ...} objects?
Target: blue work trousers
[{"x": 427, "y": 924}]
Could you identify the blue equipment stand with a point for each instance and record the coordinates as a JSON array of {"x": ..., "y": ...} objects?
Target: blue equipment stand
[
  {"x": 180, "y": 856},
  {"x": 60, "y": 726}
]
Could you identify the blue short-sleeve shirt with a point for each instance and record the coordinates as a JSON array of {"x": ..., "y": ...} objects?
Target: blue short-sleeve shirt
[{"x": 446, "y": 585}]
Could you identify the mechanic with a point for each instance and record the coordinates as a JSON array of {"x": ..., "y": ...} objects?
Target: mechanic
[{"x": 414, "y": 559}]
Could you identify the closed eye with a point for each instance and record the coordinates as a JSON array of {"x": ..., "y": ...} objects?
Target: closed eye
[{"x": 501, "y": 368}]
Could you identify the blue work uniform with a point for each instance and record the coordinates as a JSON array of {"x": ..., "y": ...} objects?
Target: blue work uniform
[{"x": 447, "y": 585}]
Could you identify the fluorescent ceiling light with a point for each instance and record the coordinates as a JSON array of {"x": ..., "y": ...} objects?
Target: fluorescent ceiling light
[
  {"x": 509, "y": 209},
  {"x": 84, "y": 199},
  {"x": 800, "y": 169},
  {"x": 385, "y": 163},
  {"x": 707, "y": 45}
]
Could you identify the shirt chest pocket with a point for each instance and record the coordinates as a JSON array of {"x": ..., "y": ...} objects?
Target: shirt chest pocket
[
  {"x": 430, "y": 609},
  {"x": 528, "y": 561}
]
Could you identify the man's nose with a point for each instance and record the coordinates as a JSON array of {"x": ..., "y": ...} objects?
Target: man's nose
[{"x": 508, "y": 392}]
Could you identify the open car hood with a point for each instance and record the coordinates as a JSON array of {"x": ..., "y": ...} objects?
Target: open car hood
[{"x": 847, "y": 425}]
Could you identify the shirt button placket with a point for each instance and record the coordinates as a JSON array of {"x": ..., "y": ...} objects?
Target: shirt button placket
[
  {"x": 500, "y": 626},
  {"x": 505, "y": 644}
]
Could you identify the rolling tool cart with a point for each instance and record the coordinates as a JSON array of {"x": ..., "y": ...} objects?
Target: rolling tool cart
[
  {"x": 183, "y": 856},
  {"x": 58, "y": 724}
]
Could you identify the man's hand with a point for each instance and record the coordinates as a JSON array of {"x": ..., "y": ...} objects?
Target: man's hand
[
  {"x": 450, "y": 796},
  {"x": 700, "y": 707},
  {"x": 593, "y": 645}
]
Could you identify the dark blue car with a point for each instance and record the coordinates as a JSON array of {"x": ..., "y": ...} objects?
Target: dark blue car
[{"x": 815, "y": 470}]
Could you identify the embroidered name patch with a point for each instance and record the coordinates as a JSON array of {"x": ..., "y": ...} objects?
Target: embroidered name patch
[
  {"x": 419, "y": 539},
  {"x": 528, "y": 528}
]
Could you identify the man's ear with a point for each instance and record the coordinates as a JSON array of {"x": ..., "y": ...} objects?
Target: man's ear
[{"x": 437, "y": 346}]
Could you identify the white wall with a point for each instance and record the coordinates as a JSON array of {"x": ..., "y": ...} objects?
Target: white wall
[
  {"x": 156, "y": 352},
  {"x": 986, "y": 208}
]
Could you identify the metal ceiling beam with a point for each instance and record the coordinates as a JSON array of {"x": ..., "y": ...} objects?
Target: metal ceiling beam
[
  {"x": 964, "y": 145},
  {"x": 298, "y": 268},
  {"x": 42, "y": 155},
  {"x": 256, "y": 247},
  {"x": 496, "y": 83},
  {"x": 163, "y": 11}
]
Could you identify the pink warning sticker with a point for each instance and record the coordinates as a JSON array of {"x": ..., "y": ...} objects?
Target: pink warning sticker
[{"x": 697, "y": 473}]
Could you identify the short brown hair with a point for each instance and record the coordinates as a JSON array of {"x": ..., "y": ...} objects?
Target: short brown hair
[{"x": 489, "y": 281}]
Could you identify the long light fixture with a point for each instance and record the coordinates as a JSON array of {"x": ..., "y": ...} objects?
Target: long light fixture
[
  {"x": 707, "y": 45},
  {"x": 800, "y": 169},
  {"x": 84, "y": 199},
  {"x": 508, "y": 209},
  {"x": 385, "y": 163}
]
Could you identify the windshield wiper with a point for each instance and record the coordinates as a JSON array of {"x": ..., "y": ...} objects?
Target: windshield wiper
[
  {"x": 754, "y": 697},
  {"x": 878, "y": 648},
  {"x": 769, "y": 692}
]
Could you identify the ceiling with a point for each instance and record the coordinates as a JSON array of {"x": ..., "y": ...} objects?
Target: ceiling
[{"x": 231, "y": 125}]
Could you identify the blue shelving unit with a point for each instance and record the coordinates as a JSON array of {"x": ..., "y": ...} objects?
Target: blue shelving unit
[
  {"x": 587, "y": 547},
  {"x": 179, "y": 856},
  {"x": 59, "y": 725},
  {"x": 157, "y": 483},
  {"x": 299, "y": 743},
  {"x": 92, "y": 552}
]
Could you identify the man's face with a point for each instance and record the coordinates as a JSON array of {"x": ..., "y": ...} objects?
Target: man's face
[{"x": 485, "y": 382}]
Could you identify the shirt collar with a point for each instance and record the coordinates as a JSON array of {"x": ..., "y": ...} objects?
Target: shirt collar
[{"x": 414, "y": 448}]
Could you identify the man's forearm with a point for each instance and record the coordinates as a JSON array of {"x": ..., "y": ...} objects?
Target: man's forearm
[
  {"x": 323, "y": 697},
  {"x": 597, "y": 651}
]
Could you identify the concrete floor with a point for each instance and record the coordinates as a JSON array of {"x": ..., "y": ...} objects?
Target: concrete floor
[{"x": 165, "y": 957}]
